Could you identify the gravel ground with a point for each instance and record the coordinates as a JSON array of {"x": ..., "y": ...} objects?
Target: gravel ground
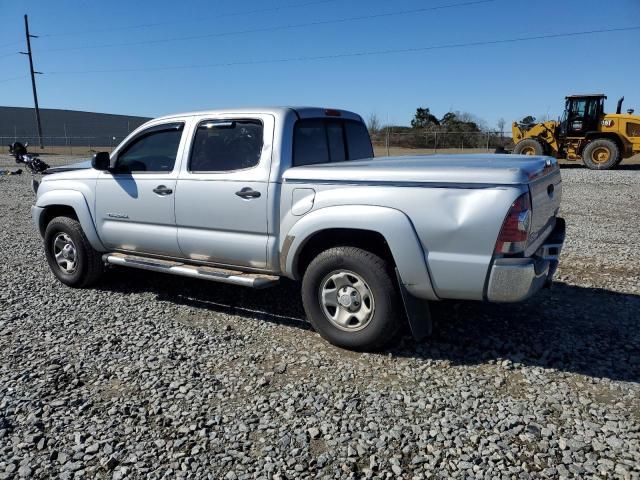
[{"x": 150, "y": 376}]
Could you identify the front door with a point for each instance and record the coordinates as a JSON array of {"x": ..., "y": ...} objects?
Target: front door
[
  {"x": 221, "y": 198},
  {"x": 135, "y": 201}
]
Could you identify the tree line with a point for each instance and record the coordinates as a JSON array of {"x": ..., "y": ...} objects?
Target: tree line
[{"x": 452, "y": 130}]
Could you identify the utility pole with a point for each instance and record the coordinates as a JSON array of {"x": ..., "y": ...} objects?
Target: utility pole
[{"x": 33, "y": 78}]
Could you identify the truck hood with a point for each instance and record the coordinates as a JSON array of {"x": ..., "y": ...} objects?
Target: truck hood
[
  {"x": 67, "y": 168},
  {"x": 487, "y": 169}
]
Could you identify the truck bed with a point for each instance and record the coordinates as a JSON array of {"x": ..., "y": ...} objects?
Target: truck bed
[{"x": 457, "y": 169}]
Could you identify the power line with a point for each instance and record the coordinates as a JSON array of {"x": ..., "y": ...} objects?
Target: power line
[
  {"x": 13, "y": 78},
  {"x": 11, "y": 44},
  {"x": 9, "y": 54},
  {"x": 274, "y": 28},
  {"x": 158, "y": 24},
  {"x": 356, "y": 54}
]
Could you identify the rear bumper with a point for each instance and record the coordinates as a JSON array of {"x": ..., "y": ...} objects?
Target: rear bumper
[{"x": 516, "y": 279}]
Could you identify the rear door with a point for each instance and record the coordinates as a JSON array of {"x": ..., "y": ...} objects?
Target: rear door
[
  {"x": 221, "y": 199},
  {"x": 135, "y": 201}
]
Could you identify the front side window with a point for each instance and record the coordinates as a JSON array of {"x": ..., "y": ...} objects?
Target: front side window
[
  {"x": 222, "y": 146},
  {"x": 152, "y": 151},
  {"x": 579, "y": 107},
  {"x": 327, "y": 140}
]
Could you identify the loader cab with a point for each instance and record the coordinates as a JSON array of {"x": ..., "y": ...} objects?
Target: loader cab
[{"x": 581, "y": 115}]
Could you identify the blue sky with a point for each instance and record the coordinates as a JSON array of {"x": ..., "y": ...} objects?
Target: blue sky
[{"x": 491, "y": 81}]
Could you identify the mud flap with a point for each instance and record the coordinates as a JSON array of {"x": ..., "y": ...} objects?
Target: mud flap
[{"x": 417, "y": 311}]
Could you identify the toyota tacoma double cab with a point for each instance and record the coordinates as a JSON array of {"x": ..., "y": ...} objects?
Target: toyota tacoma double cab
[{"x": 247, "y": 196}]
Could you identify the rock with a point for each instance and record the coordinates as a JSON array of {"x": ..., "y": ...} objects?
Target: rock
[
  {"x": 24, "y": 471},
  {"x": 93, "y": 448},
  {"x": 149, "y": 376},
  {"x": 110, "y": 463}
]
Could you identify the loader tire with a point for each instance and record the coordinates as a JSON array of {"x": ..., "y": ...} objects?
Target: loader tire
[
  {"x": 601, "y": 154},
  {"x": 529, "y": 146}
]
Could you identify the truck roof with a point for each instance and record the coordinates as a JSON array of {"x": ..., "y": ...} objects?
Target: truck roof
[
  {"x": 301, "y": 112},
  {"x": 587, "y": 95}
]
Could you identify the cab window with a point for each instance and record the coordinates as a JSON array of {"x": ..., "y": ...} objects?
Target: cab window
[
  {"x": 329, "y": 140},
  {"x": 154, "y": 150},
  {"x": 226, "y": 145}
]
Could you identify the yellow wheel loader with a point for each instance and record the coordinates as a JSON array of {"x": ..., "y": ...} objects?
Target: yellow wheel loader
[{"x": 584, "y": 132}]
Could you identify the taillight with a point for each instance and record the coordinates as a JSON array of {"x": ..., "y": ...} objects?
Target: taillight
[{"x": 515, "y": 229}]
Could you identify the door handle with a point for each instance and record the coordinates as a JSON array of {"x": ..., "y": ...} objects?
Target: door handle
[
  {"x": 162, "y": 190},
  {"x": 248, "y": 192}
]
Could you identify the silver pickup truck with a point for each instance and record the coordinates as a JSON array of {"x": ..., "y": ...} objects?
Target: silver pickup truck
[{"x": 247, "y": 196}]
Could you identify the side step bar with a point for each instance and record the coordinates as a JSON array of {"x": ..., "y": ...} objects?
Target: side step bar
[{"x": 254, "y": 280}]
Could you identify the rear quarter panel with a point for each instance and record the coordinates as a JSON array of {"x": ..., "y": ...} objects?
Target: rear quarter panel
[{"x": 457, "y": 227}]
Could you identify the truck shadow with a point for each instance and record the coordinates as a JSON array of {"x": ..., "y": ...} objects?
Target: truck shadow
[
  {"x": 590, "y": 331},
  {"x": 622, "y": 166}
]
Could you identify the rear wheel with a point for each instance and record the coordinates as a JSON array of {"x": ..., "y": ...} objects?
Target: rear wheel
[
  {"x": 71, "y": 257},
  {"x": 351, "y": 299},
  {"x": 601, "y": 154},
  {"x": 529, "y": 146}
]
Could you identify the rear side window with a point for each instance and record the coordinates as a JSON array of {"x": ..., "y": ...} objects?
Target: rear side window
[
  {"x": 329, "y": 140},
  {"x": 358, "y": 140},
  {"x": 154, "y": 150},
  {"x": 310, "y": 144},
  {"x": 335, "y": 137},
  {"x": 222, "y": 146}
]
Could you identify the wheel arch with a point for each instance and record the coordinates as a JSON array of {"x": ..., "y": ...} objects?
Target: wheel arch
[
  {"x": 68, "y": 203},
  {"x": 386, "y": 231},
  {"x": 51, "y": 211},
  {"x": 321, "y": 240}
]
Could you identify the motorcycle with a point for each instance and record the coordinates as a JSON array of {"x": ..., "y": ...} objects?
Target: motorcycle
[{"x": 30, "y": 160}]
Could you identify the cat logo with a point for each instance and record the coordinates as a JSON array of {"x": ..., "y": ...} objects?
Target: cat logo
[{"x": 607, "y": 123}]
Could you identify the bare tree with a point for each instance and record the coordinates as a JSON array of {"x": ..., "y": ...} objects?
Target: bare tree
[
  {"x": 373, "y": 123},
  {"x": 501, "y": 124}
]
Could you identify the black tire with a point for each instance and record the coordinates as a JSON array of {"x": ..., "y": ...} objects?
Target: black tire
[
  {"x": 529, "y": 146},
  {"x": 601, "y": 154},
  {"x": 87, "y": 266},
  {"x": 385, "y": 315}
]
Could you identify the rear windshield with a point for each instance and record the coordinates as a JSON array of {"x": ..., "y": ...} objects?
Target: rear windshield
[{"x": 319, "y": 140}]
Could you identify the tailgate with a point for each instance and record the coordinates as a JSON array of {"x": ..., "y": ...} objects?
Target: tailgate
[{"x": 546, "y": 193}]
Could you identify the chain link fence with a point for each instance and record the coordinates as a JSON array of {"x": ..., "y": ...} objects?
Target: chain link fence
[
  {"x": 385, "y": 142},
  {"x": 388, "y": 142}
]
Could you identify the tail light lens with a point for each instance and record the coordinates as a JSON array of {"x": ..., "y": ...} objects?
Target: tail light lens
[{"x": 514, "y": 233}]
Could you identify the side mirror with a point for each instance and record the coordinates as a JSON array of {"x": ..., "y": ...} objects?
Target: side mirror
[{"x": 101, "y": 161}]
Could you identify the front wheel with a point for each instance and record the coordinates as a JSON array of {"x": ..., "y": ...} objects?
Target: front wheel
[
  {"x": 529, "y": 146},
  {"x": 71, "y": 257},
  {"x": 351, "y": 299}
]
